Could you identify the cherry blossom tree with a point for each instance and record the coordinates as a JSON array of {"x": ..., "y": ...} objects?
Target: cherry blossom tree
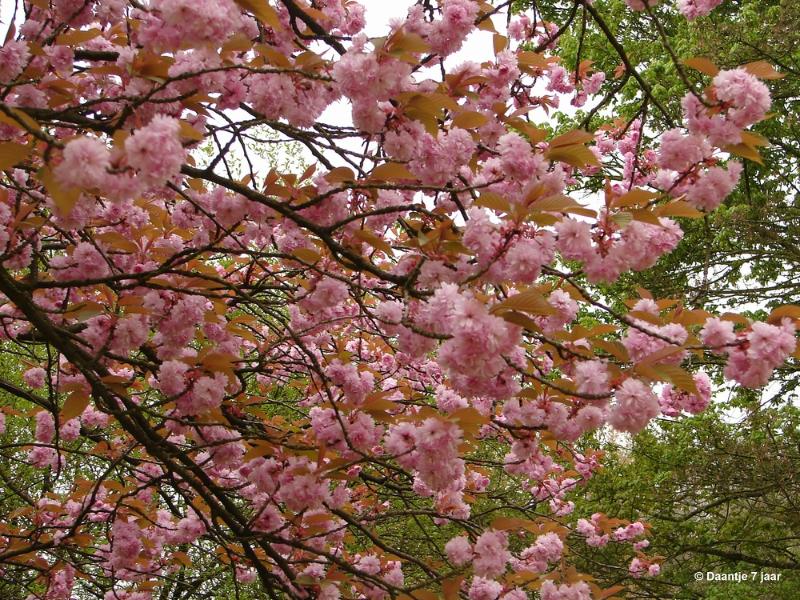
[{"x": 366, "y": 379}]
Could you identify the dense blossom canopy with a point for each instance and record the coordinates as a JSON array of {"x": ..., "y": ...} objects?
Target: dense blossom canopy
[{"x": 235, "y": 375}]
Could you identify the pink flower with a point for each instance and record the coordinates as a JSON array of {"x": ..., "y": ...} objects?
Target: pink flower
[
  {"x": 713, "y": 186},
  {"x": 35, "y": 377},
  {"x": 171, "y": 380},
  {"x": 559, "y": 80},
  {"x": 14, "y": 55},
  {"x": 747, "y": 97},
  {"x": 691, "y": 9},
  {"x": 207, "y": 394},
  {"x": 482, "y": 236},
  {"x": 516, "y": 156},
  {"x": 437, "y": 159},
  {"x": 126, "y": 544},
  {"x": 300, "y": 488},
  {"x": 85, "y": 262},
  {"x": 635, "y": 404},
  {"x": 716, "y": 334},
  {"x": 574, "y": 239},
  {"x": 438, "y": 461},
  {"x": 480, "y": 340},
  {"x": 362, "y": 431},
  {"x": 245, "y": 576},
  {"x": 593, "y": 84},
  {"x": 640, "y": 5},
  {"x": 328, "y": 293},
  {"x": 674, "y": 401},
  {"x": 547, "y": 549},
  {"x": 400, "y": 442},
  {"x": 276, "y": 96},
  {"x": 85, "y": 162},
  {"x": 679, "y": 152},
  {"x": 567, "y": 310},
  {"x": 491, "y": 553},
  {"x": 458, "y": 19},
  {"x": 364, "y": 79},
  {"x": 355, "y": 384},
  {"x": 459, "y": 551},
  {"x": 70, "y": 430},
  {"x": 719, "y": 130},
  {"x": 523, "y": 260},
  {"x": 370, "y": 564},
  {"x": 640, "y": 568},
  {"x": 771, "y": 343},
  {"x": 45, "y": 456},
  {"x": 268, "y": 519},
  {"x": 155, "y": 150},
  {"x": 484, "y": 589},
  {"x": 591, "y": 377},
  {"x": 629, "y": 532},
  {"x": 448, "y": 400},
  {"x": 589, "y": 417},
  {"x": 45, "y": 427},
  {"x": 188, "y": 529},
  {"x": 61, "y": 584},
  {"x": 640, "y": 345},
  {"x": 129, "y": 333},
  {"x": 201, "y": 21},
  {"x": 767, "y": 347},
  {"x": 565, "y": 591}
]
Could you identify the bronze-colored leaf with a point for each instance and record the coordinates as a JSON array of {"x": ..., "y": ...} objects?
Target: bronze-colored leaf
[
  {"x": 704, "y": 65},
  {"x": 74, "y": 405},
  {"x": 531, "y": 301},
  {"x": 470, "y": 120},
  {"x": 12, "y": 154},
  {"x": 391, "y": 172}
]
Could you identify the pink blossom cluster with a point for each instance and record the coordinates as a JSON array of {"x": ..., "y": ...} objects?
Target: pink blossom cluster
[
  {"x": 491, "y": 554},
  {"x": 547, "y": 549},
  {"x": 737, "y": 101},
  {"x": 432, "y": 449},
  {"x": 565, "y": 591},
  {"x": 592, "y": 531},
  {"x": 556, "y": 416},
  {"x": 639, "y": 568},
  {"x": 61, "y": 583},
  {"x": 14, "y": 56},
  {"x": 438, "y": 159},
  {"x": 85, "y": 262},
  {"x": 475, "y": 355},
  {"x": 674, "y": 401},
  {"x": 280, "y": 95},
  {"x": 85, "y": 164},
  {"x": 357, "y": 429},
  {"x": 610, "y": 251},
  {"x": 446, "y": 35},
  {"x": 642, "y": 4},
  {"x": 200, "y": 21},
  {"x": 753, "y": 353},
  {"x": 155, "y": 150},
  {"x": 634, "y": 406},
  {"x": 691, "y": 9}
]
